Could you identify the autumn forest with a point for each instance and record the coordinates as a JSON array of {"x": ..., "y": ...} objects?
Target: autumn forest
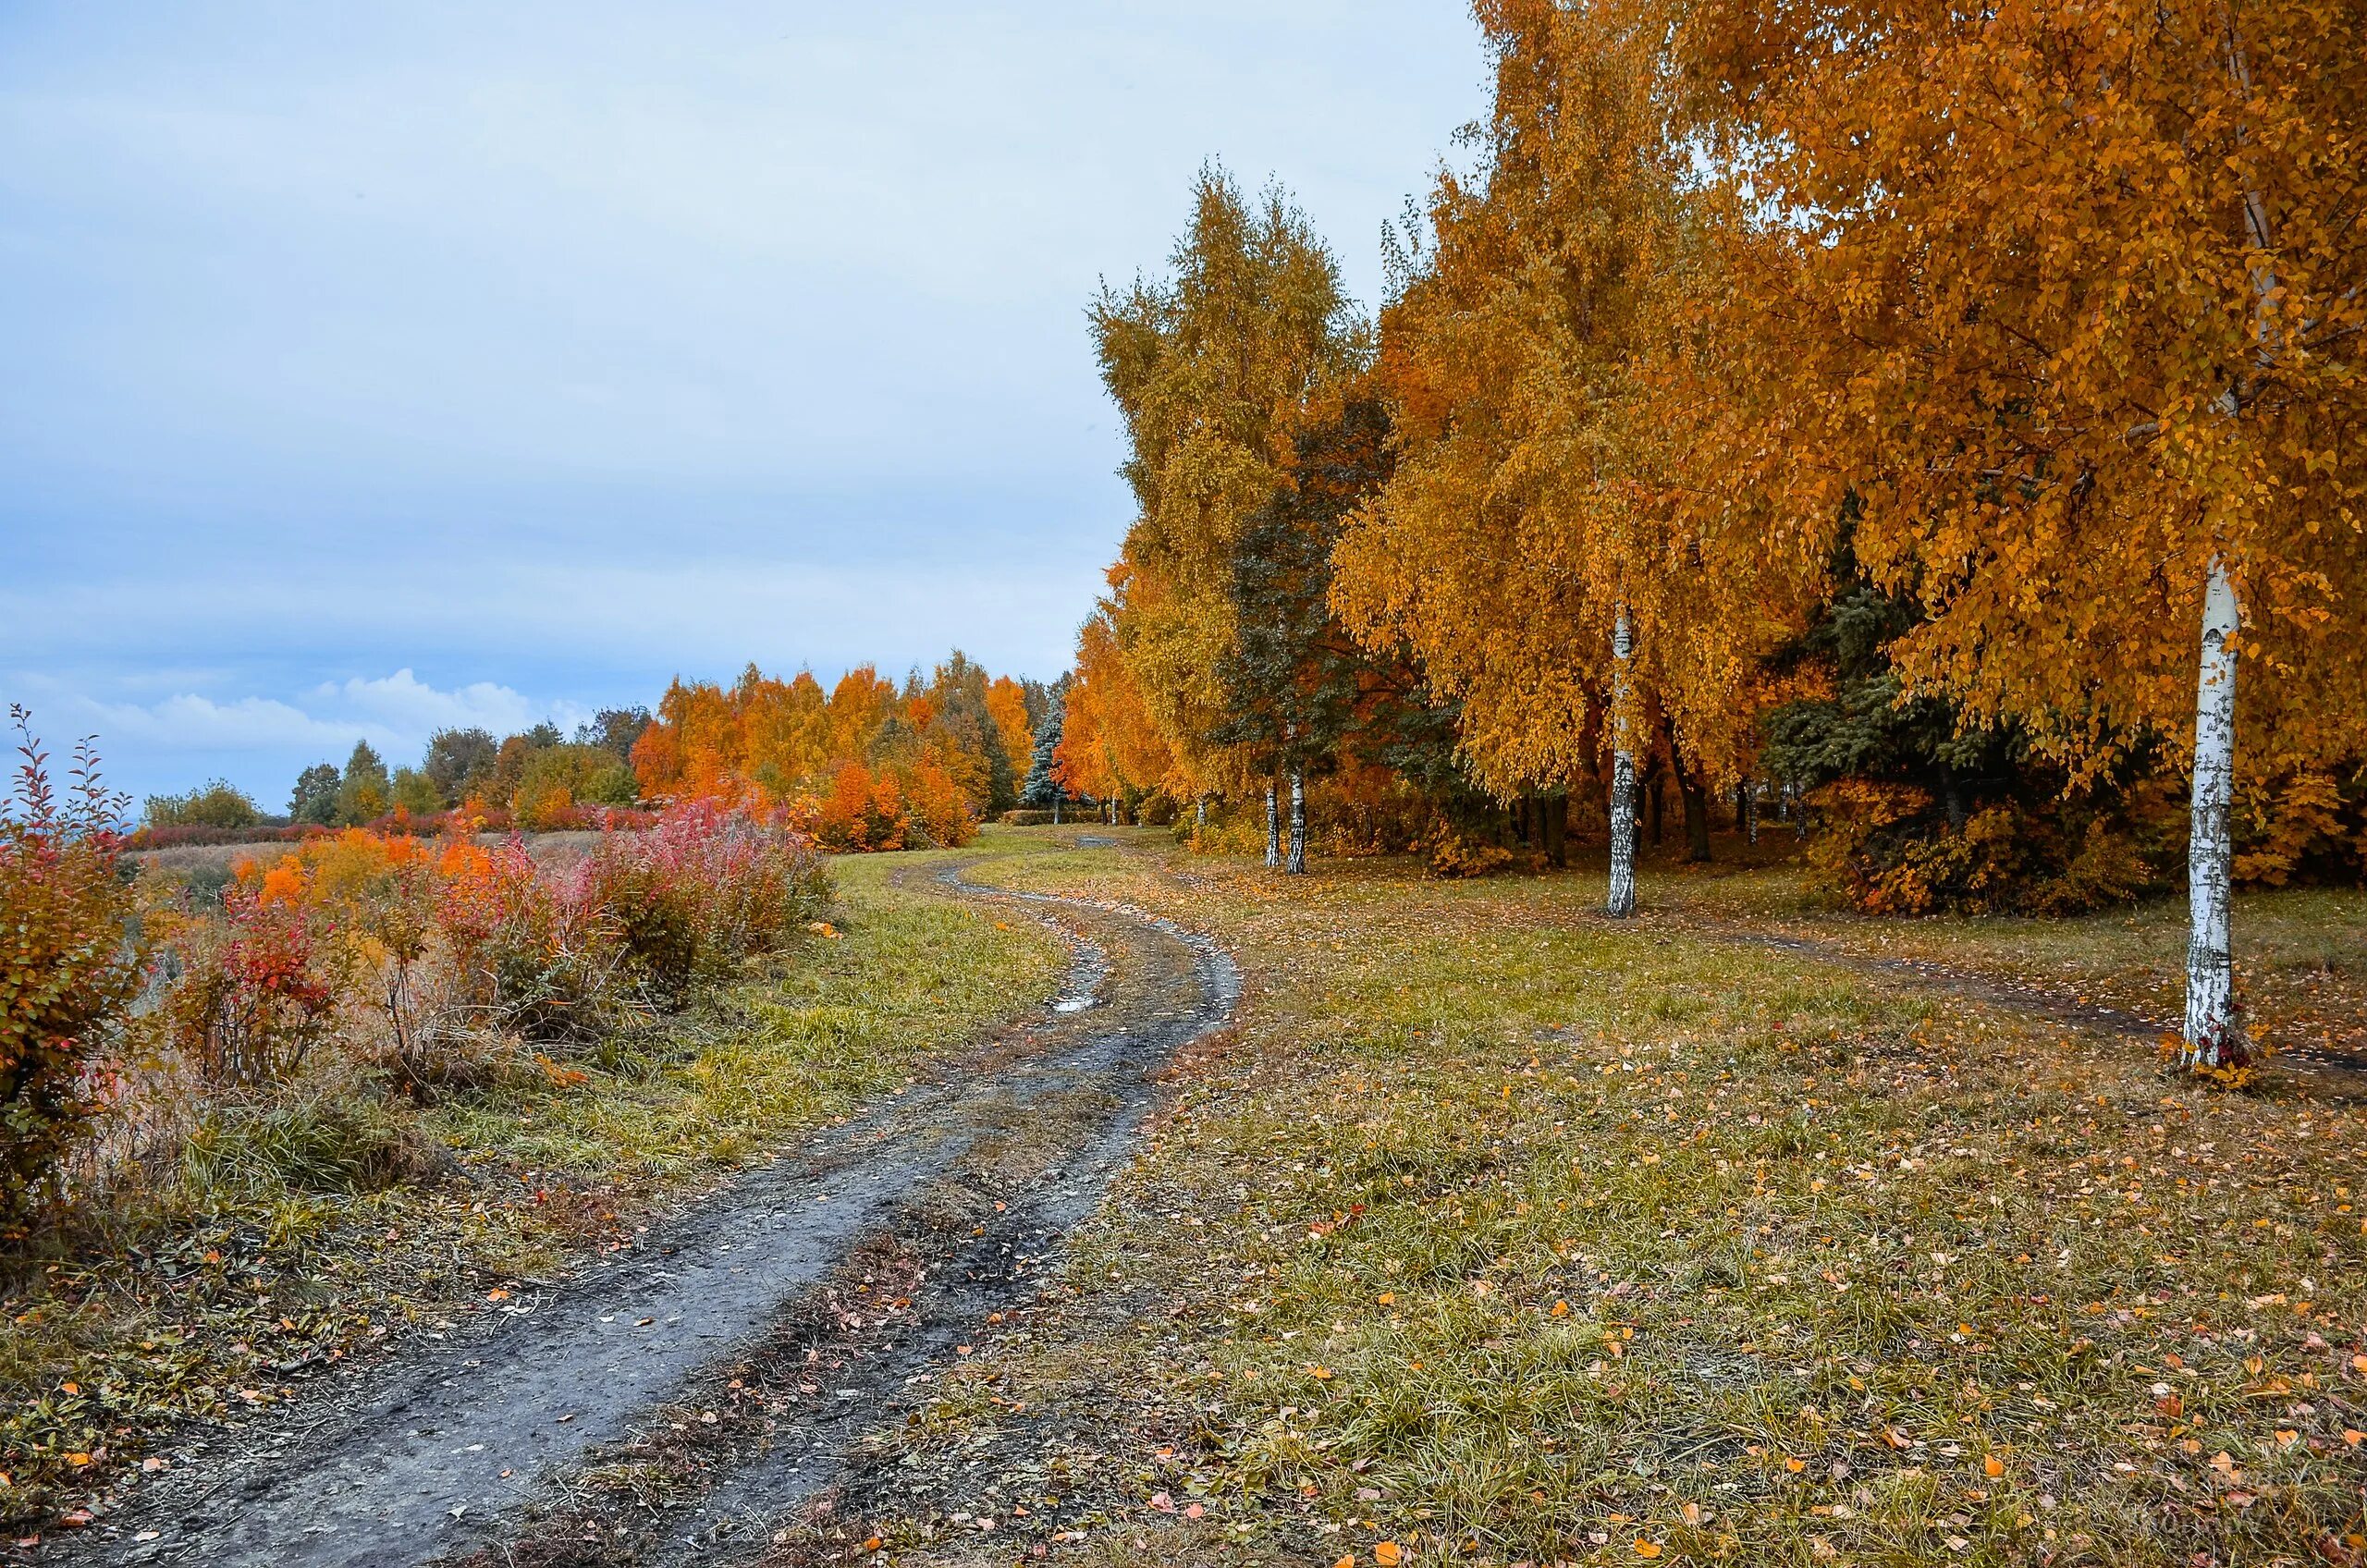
[{"x": 1699, "y": 892}]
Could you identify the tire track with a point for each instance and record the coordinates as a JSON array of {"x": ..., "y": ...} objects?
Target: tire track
[{"x": 481, "y": 1444}]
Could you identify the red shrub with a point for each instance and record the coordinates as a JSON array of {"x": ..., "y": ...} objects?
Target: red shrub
[{"x": 68, "y": 969}]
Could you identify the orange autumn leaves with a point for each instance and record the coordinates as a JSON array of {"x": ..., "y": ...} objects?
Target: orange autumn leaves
[{"x": 869, "y": 765}]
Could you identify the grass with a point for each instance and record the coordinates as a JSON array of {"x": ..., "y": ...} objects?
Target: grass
[
  {"x": 2301, "y": 953},
  {"x": 1506, "y": 1234},
  {"x": 295, "y": 1234}
]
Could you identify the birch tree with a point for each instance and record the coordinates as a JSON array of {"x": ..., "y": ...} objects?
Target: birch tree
[
  {"x": 1209, "y": 368},
  {"x": 1533, "y": 549},
  {"x": 2071, "y": 299}
]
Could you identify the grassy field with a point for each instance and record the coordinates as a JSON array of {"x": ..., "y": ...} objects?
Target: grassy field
[
  {"x": 303, "y": 1229},
  {"x": 1502, "y": 1233},
  {"x": 2301, "y": 953}
]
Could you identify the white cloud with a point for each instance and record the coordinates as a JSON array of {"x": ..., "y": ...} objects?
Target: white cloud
[
  {"x": 403, "y": 703},
  {"x": 395, "y": 713},
  {"x": 398, "y": 710}
]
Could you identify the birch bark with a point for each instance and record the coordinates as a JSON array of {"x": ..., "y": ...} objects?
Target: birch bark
[
  {"x": 2212, "y": 1036},
  {"x": 1622, "y": 901},
  {"x": 1296, "y": 864},
  {"x": 1273, "y": 829}
]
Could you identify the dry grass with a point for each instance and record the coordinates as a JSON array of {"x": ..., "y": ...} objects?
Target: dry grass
[
  {"x": 1506, "y": 1234},
  {"x": 205, "y": 1297}
]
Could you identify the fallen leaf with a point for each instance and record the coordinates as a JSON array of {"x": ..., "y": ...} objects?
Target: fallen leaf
[{"x": 1387, "y": 1554}]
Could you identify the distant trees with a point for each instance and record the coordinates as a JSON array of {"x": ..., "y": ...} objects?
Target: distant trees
[
  {"x": 313, "y": 800},
  {"x": 888, "y": 765},
  {"x": 460, "y": 764},
  {"x": 364, "y": 791},
  {"x": 213, "y": 804},
  {"x": 1211, "y": 630}
]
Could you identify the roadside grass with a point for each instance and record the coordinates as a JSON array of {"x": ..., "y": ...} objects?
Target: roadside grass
[
  {"x": 294, "y": 1233},
  {"x": 1504, "y": 1234},
  {"x": 2301, "y": 952}
]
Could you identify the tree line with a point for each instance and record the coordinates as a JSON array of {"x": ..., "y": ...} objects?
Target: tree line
[
  {"x": 1948, "y": 422},
  {"x": 537, "y": 775}
]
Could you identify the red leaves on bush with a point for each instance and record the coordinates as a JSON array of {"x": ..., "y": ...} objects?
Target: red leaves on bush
[{"x": 68, "y": 968}]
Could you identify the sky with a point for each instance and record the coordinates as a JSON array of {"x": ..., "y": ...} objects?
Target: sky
[{"x": 370, "y": 369}]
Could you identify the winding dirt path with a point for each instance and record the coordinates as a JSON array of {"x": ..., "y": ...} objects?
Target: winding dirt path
[{"x": 710, "y": 1377}]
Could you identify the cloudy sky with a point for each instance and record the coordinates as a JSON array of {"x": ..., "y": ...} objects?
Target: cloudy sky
[{"x": 373, "y": 368}]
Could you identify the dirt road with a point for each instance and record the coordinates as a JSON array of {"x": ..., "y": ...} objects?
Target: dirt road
[{"x": 670, "y": 1403}]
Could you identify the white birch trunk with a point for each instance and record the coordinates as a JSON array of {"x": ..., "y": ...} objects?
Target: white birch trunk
[
  {"x": 1056, "y": 811},
  {"x": 1200, "y": 814},
  {"x": 1296, "y": 864},
  {"x": 2213, "y": 1034},
  {"x": 1273, "y": 829},
  {"x": 1622, "y": 901}
]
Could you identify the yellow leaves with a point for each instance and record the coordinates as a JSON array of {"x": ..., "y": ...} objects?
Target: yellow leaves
[
  {"x": 1992, "y": 1467},
  {"x": 1389, "y": 1554},
  {"x": 1647, "y": 1548}
]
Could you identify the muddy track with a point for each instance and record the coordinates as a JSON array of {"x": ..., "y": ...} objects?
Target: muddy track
[{"x": 668, "y": 1403}]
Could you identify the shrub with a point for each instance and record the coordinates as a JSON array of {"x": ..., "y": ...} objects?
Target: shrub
[
  {"x": 180, "y": 836},
  {"x": 529, "y": 961},
  {"x": 699, "y": 889},
  {"x": 1451, "y": 854},
  {"x": 214, "y": 805},
  {"x": 69, "y": 970},
  {"x": 1888, "y": 848},
  {"x": 253, "y": 995}
]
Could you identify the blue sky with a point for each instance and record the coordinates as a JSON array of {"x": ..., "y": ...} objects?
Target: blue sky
[{"x": 372, "y": 368}]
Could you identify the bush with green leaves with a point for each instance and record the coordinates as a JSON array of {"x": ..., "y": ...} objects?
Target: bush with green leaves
[{"x": 216, "y": 804}]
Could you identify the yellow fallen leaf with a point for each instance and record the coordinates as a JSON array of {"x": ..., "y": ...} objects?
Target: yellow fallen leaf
[
  {"x": 1992, "y": 1467},
  {"x": 1387, "y": 1554},
  {"x": 1648, "y": 1548}
]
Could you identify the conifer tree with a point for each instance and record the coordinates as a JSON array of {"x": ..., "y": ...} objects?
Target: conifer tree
[{"x": 1042, "y": 790}]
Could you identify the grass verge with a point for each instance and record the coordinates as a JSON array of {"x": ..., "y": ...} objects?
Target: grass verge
[
  {"x": 296, "y": 1233},
  {"x": 1505, "y": 1235}
]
